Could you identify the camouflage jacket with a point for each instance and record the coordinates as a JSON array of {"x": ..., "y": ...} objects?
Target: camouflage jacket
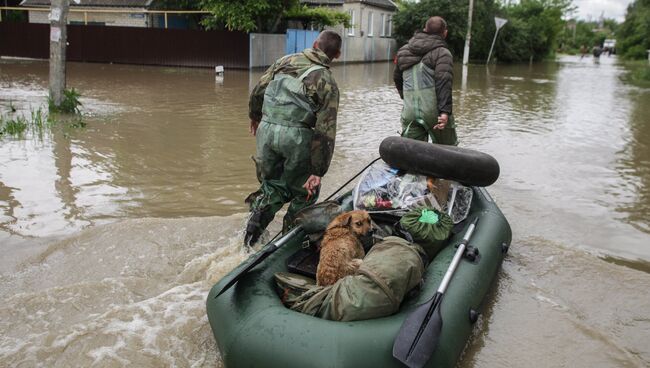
[{"x": 321, "y": 89}]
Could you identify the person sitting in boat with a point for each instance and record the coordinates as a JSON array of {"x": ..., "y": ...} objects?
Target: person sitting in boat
[
  {"x": 293, "y": 112},
  {"x": 423, "y": 77}
]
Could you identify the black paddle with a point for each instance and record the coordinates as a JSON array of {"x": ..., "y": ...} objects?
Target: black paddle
[
  {"x": 272, "y": 246},
  {"x": 268, "y": 250},
  {"x": 420, "y": 332}
]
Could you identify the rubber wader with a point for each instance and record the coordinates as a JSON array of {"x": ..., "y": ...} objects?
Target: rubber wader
[
  {"x": 420, "y": 112},
  {"x": 283, "y": 157}
]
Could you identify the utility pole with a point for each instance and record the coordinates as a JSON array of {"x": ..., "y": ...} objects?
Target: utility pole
[
  {"x": 58, "y": 38},
  {"x": 469, "y": 33}
]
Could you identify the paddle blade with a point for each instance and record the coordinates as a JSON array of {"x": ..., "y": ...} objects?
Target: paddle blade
[{"x": 419, "y": 334}]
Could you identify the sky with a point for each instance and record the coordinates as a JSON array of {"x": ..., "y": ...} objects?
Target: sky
[{"x": 612, "y": 8}]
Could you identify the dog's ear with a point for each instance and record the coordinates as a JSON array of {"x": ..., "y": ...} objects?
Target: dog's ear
[
  {"x": 340, "y": 221},
  {"x": 348, "y": 222}
]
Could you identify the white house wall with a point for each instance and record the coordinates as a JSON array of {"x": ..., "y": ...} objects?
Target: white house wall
[
  {"x": 110, "y": 19},
  {"x": 363, "y": 46}
]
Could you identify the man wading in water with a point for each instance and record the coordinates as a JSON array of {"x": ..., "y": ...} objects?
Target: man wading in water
[
  {"x": 296, "y": 101},
  {"x": 423, "y": 78}
]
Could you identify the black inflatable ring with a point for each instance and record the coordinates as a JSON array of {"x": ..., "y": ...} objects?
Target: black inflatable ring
[{"x": 466, "y": 166}]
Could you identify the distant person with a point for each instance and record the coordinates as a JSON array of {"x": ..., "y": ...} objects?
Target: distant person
[
  {"x": 423, "y": 77},
  {"x": 292, "y": 112},
  {"x": 583, "y": 51},
  {"x": 596, "y": 51}
]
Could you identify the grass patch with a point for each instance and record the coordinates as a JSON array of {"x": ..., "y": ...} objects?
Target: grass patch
[
  {"x": 17, "y": 125},
  {"x": 69, "y": 105},
  {"x": 641, "y": 75},
  {"x": 13, "y": 123},
  {"x": 638, "y": 73},
  {"x": 12, "y": 126}
]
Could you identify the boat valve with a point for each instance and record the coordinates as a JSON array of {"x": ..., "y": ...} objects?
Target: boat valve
[
  {"x": 473, "y": 315},
  {"x": 472, "y": 254}
]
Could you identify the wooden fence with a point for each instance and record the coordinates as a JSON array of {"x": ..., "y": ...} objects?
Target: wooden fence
[{"x": 131, "y": 45}]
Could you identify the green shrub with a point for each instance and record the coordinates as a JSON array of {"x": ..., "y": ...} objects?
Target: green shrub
[{"x": 69, "y": 105}]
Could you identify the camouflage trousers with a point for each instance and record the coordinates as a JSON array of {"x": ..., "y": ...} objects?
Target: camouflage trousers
[
  {"x": 420, "y": 131},
  {"x": 282, "y": 161}
]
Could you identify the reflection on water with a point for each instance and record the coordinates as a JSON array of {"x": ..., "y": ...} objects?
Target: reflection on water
[
  {"x": 148, "y": 201},
  {"x": 634, "y": 163},
  {"x": 159, "y": 143}
]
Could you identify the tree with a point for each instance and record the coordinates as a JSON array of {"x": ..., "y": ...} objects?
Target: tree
[
  {"x": 411, "y": 17},
  {"x": 633, "y": 38},
  {"x": 246, "y": 15},
  {"x": 532, "y": 30},
  {"x": 193, "y": 20}
]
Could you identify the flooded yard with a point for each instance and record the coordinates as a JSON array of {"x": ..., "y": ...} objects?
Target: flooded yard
[{"x": 113, "y": 234}]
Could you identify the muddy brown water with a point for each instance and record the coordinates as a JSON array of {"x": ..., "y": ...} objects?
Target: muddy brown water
[{"x": 112, "y": 235}]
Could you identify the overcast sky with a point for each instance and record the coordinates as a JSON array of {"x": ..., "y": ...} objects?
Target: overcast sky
[{"x": 594, "y": 8}]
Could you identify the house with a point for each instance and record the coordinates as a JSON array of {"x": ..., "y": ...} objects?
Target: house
[
  {"x": 124, "y": 13},
  {"x": 370, "y": 36},
  {"x": 370, "y": 18}
]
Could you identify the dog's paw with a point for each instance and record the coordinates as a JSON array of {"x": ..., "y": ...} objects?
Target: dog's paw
[{"x": 356, "y": 263}]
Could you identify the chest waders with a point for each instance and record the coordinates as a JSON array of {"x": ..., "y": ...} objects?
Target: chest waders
[
  {"x": 283, "y": 158},
  {"x": 420, "y": 111}
]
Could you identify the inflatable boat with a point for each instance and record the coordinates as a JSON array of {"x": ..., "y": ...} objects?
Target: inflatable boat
[{"x": 254, "y": 329}]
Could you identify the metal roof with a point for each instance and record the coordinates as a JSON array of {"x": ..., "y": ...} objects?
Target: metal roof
[
  {"x": 386, "y": 4},
  {"x": 95, "y": 3}
]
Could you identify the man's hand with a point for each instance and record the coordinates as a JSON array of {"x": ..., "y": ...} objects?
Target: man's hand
[
  {"x": 312, "y": 184},
  {"x": 253, "y": 127},
  {"x": 442, "y": 121}
]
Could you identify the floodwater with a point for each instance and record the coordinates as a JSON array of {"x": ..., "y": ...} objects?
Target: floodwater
[{"x": 113, "y": 234}]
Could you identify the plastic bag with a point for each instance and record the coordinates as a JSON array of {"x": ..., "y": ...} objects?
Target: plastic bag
[
  {"x": 385, "y": 189},
  {"x": 462, "y": 203}
]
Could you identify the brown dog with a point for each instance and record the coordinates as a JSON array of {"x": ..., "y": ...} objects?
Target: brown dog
[{"x": 341, "y": 251}]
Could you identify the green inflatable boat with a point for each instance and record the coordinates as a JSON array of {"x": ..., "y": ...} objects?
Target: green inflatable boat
[{"x": 254, "y": 329}]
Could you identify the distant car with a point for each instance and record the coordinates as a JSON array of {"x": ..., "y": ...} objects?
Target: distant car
[{"x": 610, "y": 44}]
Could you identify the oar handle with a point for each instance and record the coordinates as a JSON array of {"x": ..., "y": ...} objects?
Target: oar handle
[
  {"x": 259, "y": 257},
  {"x": 456, "y": 260}
]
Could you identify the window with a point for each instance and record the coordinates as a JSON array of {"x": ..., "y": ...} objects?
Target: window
[
  {"x": 383, "y": 25},
  {"x": 370, "y": 25},
  {"x": 351, "y": 29},
  {"x": 389, "y": 26}
]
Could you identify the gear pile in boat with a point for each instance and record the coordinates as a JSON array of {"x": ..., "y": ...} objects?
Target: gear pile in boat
[{"x": 410, "y": 228}]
